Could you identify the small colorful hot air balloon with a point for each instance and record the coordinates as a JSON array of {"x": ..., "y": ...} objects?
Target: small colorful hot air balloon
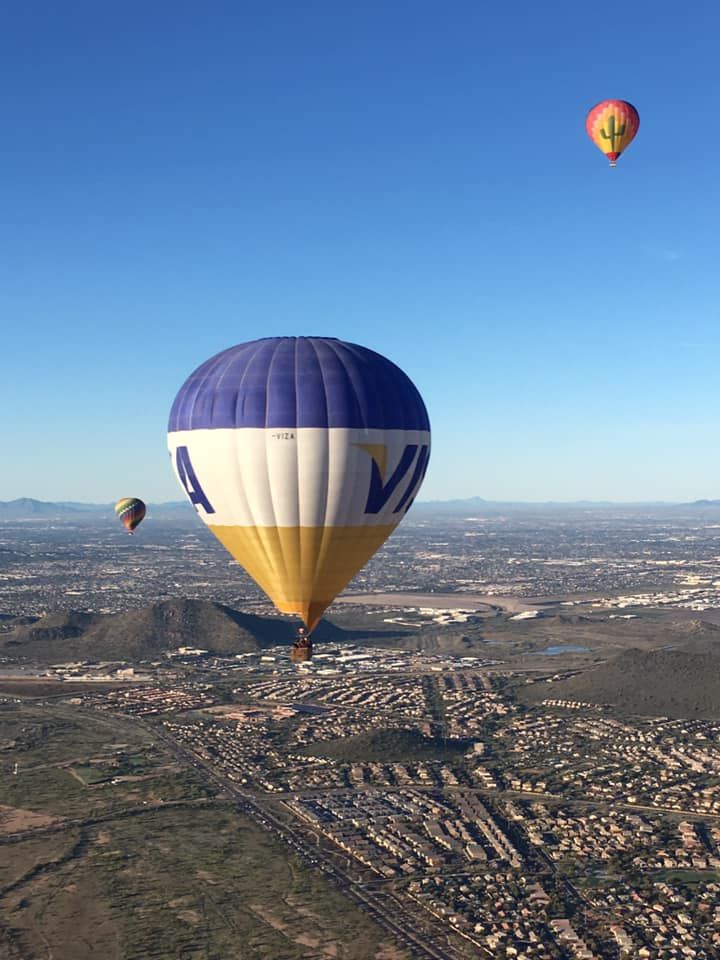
[
  {"x": 612, "y": 125},
  {"x": 302, "y": 455},
  {"x": 130, "y": 512}
]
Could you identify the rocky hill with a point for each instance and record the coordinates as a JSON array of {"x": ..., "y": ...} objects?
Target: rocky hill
[
  {"x": 671, "y": 682},
  {"x": 432, "y": 640},
  {"x": 388, "y": 746},
  {"x": 147, "y": 632}
]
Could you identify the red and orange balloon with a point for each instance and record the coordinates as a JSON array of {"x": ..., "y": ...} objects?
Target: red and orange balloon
[{"x": 612, "y": 125}]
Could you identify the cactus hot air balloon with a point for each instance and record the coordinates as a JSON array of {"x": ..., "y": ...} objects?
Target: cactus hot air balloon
[
  {"x": 130, "y": 511},
  {"x": 612, "y": 125},
  {"x": 302, "y": 455}
]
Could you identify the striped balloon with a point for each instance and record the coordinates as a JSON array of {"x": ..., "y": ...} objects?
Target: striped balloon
[
  {"x": 130, "y": 511},
  {"x": 612, "y": 125},
  {"x": 302, "y": 455}
]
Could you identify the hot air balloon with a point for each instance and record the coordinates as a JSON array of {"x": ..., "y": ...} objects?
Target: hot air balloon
[
  {"x": 612, "y": 125},
  {"x": 302, "y": 455},
  {"x": 130, "y": 511}
]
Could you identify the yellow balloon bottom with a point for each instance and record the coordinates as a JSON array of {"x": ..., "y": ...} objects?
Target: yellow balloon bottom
[{"x": 302, "y": 569}]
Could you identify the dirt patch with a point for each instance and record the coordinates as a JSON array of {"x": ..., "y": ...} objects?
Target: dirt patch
[
  {"x": 386, "y": 951},
  {"x": 15, "y": 820},
  {"x": 189, "y": 916},
  {"x": 307, "y": 941},
  {"x": 269, "y": 918},
  {"x": 134, "y": 777},
  {"x": 303, "y": 938},
  {"x": 303, "y": 909},
  {"x": 179, "y": 902}
]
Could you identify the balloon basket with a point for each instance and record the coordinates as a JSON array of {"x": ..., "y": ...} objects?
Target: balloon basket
[{"x": 301, "y": 650}]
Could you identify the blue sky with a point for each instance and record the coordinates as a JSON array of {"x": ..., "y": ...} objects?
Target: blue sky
[{"x": 412, "y": 176}]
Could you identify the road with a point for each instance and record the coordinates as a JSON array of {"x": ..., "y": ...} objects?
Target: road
[
  {"x": 405, "y": 929},
  {"x": 391, "y": 918},
  {"x": 482, "y": 603}
]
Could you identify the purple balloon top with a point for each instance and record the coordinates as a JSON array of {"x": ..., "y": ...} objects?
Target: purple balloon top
[{"x": 291, "y": 382}]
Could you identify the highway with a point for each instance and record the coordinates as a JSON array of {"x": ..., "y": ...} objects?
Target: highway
[
  {"x": 403, "y": 927},
  {"x": 389, "y": 914}
]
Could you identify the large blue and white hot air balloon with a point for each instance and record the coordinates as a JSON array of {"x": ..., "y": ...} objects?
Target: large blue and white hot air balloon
[{"x": 302, "y": 455}]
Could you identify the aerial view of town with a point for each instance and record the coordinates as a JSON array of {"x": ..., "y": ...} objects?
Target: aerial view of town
[
  {"x": 505, "y": 743},
  {"x": 359, "y": 541}
]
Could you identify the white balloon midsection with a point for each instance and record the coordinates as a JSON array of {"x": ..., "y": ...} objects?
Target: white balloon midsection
[{"x": 306, "y": 477}]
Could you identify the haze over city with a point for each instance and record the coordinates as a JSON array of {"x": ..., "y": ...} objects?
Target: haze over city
[{"x": 504, "y": 743}]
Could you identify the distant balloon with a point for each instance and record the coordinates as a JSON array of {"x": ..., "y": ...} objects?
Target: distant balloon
[
  {"x": 612, "y": 125},
  {"x": 130, "y": 512},
  {"x": 302, "y": 455}
]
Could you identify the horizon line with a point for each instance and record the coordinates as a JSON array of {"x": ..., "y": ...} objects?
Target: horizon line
[{"x": 475, "y": 499}]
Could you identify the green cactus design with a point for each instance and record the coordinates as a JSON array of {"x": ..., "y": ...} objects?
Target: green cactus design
[{"x": 612, "y": 133}]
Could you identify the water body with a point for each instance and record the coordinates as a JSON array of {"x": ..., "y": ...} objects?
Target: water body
[{"x": 562, "y": 648}]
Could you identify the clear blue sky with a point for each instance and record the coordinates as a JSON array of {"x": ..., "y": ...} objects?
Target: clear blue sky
[{"x": 414, "y": 176}]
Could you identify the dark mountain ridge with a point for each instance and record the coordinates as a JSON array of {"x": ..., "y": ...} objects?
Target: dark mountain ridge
[
  {"x": 148, "y": 632},
  {"x": 388, "y": 746},
  {"x": 682, "y": 681}
]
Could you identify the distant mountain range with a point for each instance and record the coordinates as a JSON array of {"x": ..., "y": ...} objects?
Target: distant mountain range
[
  {"x": 480, "y": 506},
  {"x": 27, "y": 508}
]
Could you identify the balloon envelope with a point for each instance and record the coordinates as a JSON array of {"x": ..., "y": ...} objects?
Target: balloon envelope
[
  {"x": 301, "y": 454},
  {"x": 130, "y": 511},
  {"x": 612, "y": 125}
]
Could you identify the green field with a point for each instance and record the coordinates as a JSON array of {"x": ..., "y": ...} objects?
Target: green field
[
  {"x": 152, "y": 867},
  {"x": 686, "y": 876},
  {"x": 173, "y": 883},
  {"x": 92, "y": 775}
]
